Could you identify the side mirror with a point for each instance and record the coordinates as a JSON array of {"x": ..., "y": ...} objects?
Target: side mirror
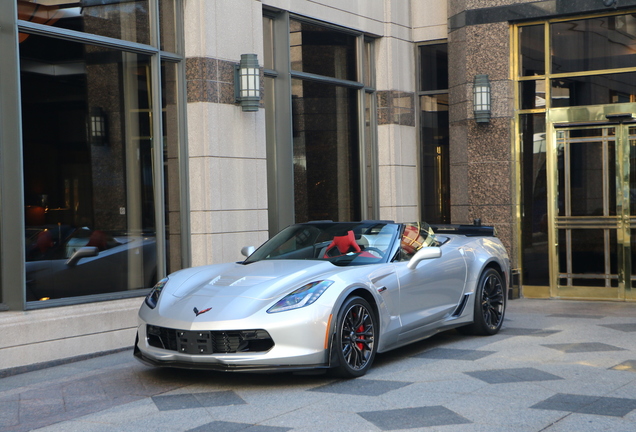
[
  {"x": 247, "y": 251},
  {"x": 84, "y": 252},
  {"x": 425, "y": 253}
]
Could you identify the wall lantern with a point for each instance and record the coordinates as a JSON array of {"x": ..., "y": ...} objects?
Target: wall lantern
[
  {"x": 98, "y": 129},
  {"x": 247, "y": 79},
  {"x": 481, "y": 98}
]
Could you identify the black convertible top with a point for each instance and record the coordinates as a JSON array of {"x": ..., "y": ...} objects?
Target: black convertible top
[{"x": 467, "y": 230}]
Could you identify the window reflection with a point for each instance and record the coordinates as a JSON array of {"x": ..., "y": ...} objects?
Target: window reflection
[
  {"x": 171, "y": 176},
  {"x": 434, "y": 134},
  {"x": 435, "y": 175},
  {"x": 532, "y": 50},
  {"x": 90, "y": 222},
  {"x": 268, "y": 43},
  {"x": 532, "y": 94},
  {"x": 593, "y": 44},
  {"x": 534, "y": 200},
  {"x": 594, "y": 90},
  {"x": 120, "y": 19},
  {"x": 434, "y": 67},
  {"x": 370, "y": 154},
  {"x": 322, "y": 51},
  {"x": 326, "y": 173},
  {"x": 168, "y": 25},
  {"x": 584, "y": 254}
]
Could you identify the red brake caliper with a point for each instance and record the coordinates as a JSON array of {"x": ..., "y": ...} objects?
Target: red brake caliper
[
  {"x": 359, "y": 330},
  {"x": 360, "y": 344}
]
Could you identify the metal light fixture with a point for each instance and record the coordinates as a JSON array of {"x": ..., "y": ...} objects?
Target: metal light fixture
[
  {"x": 98, "y": 129},
  {"x": 248, "y": 82},
  {"x": 481, "y": 98}
]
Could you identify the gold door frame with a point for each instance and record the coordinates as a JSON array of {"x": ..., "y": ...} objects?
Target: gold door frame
[{"x": 592, "y": 117}]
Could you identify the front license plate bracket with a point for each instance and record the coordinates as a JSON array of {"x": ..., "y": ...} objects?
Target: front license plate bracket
[{"x": 194, "y": 342}]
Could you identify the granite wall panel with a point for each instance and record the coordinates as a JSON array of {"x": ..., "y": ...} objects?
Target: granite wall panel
[{"x": 212, "y": 80}]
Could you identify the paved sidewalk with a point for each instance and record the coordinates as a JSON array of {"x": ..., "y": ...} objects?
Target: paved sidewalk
[{"x": 556, "y": 366}]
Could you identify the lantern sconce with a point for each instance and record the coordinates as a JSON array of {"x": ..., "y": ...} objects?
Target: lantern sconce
[
  {"x": 247, "y": 79},
  {"x": 98, "y": 128},
  {"x": 481, "y": 99}
]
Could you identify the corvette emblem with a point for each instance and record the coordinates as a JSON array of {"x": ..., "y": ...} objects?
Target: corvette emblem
[{"x": 197, "y": 312}]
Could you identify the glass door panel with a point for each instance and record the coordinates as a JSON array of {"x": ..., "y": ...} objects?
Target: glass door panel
[{"x": 587, "y": 225}]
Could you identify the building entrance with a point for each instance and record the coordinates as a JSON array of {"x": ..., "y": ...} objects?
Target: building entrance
[{"x": 594, "y": 202}]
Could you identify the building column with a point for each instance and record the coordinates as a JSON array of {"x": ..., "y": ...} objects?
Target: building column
[
  {"x": 397, "y": 134},
  {"x": 482, "y": 166},
  {"x": 227, "y": 152}
]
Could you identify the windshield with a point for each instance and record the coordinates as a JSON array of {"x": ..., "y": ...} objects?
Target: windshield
[{"x": 341, "y": 243}]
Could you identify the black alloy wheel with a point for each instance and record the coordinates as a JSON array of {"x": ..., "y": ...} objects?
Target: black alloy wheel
[
  {"x": 490, "y": 305},
  {"x": 355, "y": 338}
]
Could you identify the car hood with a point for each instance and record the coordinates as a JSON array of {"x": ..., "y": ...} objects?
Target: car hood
[{"x": 235, "y": 290}]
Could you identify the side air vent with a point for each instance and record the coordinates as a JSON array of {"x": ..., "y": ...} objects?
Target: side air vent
[{"x": 461, "y": 305}]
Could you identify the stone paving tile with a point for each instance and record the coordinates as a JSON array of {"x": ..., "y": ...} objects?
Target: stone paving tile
[
  {"x": 221, "y": 398},
  {"x": 361, "y": 387},
  {"x": 514, "y": 331},
  {"x": 221, "y": 426},
  {"x": 197, "y": 400},
  {"x": 585, "y": 347},
  {"x": 503, "y": 376},
  {"x": 454, "y": 354},
  {"x": 176, "y": 402},
  {"x": 408, "y": 418},
  {"x": 606, "y": 406},
  {"x": 504, "y": 411},
  {"x": 627, "y": 328},
  {"x": 629, "y": 365},
  {"x": 575, "y": 316}
]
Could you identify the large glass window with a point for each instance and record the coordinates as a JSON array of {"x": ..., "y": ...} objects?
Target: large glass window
[
  {"x": 97, "y": 128},
  {"x": 88, "y": 177},
  {"x": 326, "y": 165},
  {"x": 325, "y": 113},
  {"x": 319, "y": 85},
  {"x": 434, "y": 134}
]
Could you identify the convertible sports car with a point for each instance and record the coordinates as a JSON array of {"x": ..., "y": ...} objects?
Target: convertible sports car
[{"x": 327, "y": 295}]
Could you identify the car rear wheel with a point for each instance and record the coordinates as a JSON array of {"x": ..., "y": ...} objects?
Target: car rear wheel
[
  {"x": 490, "y": 304},
  {"x": 355, "y": 338}
]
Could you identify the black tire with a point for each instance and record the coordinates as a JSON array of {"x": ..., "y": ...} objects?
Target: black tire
[
  {"x": 355, "y": 338},
  {"x": 490, "y": 305}
]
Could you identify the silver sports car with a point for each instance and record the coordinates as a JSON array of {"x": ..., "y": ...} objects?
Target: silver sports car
[{"x": 327, "y": 295}]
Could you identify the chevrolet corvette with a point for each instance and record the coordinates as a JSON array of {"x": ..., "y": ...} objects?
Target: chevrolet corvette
[{"x": 327, "y": 295}]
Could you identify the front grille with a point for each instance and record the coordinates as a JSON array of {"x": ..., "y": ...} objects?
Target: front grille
[{"x": 208, "y": 342}]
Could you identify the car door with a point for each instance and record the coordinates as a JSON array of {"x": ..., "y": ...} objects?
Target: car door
[{"x": 431, "y": 291}]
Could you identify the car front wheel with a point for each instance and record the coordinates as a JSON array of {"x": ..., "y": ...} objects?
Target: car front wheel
[{"x": 355, "y": 343}]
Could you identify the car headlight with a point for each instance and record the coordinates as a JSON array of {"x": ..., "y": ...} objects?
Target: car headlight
[
  {"x": 153, "y": 296},
  {"x": 301, "y": 297}
]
